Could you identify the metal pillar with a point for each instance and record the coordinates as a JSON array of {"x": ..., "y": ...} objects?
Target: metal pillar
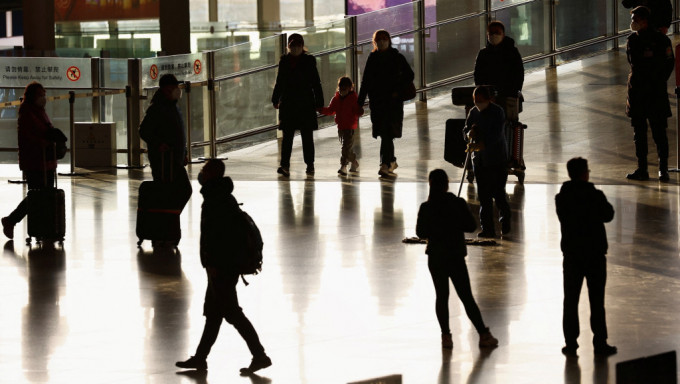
[
  {"x": 420, "y": 48},
  {"x": 96, "y": 100},
  {"x": 134, "y": 113},
  {"x": 553, "y": 32}
]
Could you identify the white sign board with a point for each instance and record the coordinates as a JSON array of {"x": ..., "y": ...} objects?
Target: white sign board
[
  {"x": 191, "y": 67},
  {"x": 52, "y": 72}
]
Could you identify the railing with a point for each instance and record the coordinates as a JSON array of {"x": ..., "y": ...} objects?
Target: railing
[{"x": 227, "y": 91}]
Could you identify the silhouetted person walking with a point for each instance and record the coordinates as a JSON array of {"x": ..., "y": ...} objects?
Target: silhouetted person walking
[
  {"x": 34, "y": 160},
  {"x": 222, "y": 239},
  {"x": 297, "y": 95},
  {"x": 385, "y": 76},
  {"x": 582, "y": 210},
  {"x": 443, "y": 220}
]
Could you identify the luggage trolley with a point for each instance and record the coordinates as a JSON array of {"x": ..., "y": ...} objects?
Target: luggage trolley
[{"x": 454, "y": 144}]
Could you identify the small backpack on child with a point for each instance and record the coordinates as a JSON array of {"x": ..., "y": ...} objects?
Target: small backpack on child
[{"x": 250, "y": 262}]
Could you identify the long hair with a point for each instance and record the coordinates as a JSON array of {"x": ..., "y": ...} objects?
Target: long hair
[
  {"x": 380, "y": 32},
  {"x": 439, "y": 183},
  {"x": 31, "y": 92},
  {"x": 298, "y": 39}
]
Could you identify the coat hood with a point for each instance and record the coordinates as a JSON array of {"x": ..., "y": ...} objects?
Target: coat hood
[{"x": 220, "y": 186}]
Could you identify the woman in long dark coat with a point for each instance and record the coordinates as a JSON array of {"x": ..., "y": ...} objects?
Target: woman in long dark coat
[
  {"x": 297, "y": 94},
  {"x": 385, "y": 77}
]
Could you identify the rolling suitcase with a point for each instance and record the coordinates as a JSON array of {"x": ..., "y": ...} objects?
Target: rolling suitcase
[
  {"x": 157, "y": 213},
  {"x": 516, "y": 143},
  {"x": 454, "y": 142},
  {"x": 46, "y": 210},
  {"x": 46, "y": 215}
]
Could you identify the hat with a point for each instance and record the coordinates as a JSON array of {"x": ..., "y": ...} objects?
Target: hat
[{"x": 168, "y": 79}]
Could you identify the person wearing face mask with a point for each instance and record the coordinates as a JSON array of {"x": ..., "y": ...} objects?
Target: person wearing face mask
[
  {"x": 164, "y": 132},
  {"x": 297, "y": 95},
  {"x": 385, "y": 76},
  {"x": 485, "y": 127},
  {"x": 33, "y": 126},
  {"x": 651, "y": 59}
]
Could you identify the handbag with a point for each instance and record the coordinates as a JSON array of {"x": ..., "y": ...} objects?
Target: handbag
[
  {"x": 58, "y": 150},
  {"x": 408, "y": 92}
]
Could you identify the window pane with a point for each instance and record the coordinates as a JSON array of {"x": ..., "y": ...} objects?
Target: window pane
[{"x": 452, "y": 48}]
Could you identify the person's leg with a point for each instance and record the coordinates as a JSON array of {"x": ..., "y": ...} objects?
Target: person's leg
[
  {"x": 210, "y": 331},
  {"x": 640, "y": 140},
  {"x": 596, "y": 279},
  {"x": 287, "y": 147},
  {"x": 485, "y": 196},
  {"x": 658, "y": 127},
  {"x": 461, "y": 282},
  {"x": 386, "y": 149},
  {"x": 500, "y": 180},
  {"x": 35, "y": 180},
  {"x": 441, "y": 288},
  {"x": 307, "y": 135},
  {"x": 234, "y": 315},
  {"x": 572, "y": 282}
]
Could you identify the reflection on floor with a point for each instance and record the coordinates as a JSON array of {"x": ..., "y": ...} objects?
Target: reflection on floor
[{"x": 341, "y": 299}]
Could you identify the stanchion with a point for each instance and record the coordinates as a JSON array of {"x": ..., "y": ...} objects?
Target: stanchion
[
  {"x": 128, "y": 100},
  {"x": 187, "y": 89},
  {"x": 71, "y": 102}
]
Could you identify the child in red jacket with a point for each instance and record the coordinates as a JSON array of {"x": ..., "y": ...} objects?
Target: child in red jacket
[{"x": 344, "y": 106}]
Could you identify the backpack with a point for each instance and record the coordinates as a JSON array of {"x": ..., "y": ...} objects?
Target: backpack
[{"x": 250, "y": 262}]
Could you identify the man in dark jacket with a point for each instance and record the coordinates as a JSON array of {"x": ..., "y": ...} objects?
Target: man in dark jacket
[
  {"x": 500, "y": 65},
  {"x": 661, "y": 12},
  {"x": 163, "y": 131},
  {"x": 221, "y": 240},
  {"x": 485, "y": 127},
  {"x": 582, "y": 210},
  {"x": 651, "y": 59}
]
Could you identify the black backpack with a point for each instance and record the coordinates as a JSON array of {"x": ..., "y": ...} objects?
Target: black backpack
[{"x": 250, "y": 260}]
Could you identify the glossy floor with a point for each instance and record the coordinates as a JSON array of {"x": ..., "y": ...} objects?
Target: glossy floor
[{"x": 341, "y": 298}]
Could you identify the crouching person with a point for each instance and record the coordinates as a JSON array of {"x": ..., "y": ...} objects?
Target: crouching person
[{"x": 221, "y": 226}]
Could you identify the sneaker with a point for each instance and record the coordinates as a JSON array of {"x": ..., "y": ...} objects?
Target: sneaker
[
  {"x": 486, "y": 234},
  {"x": 663, "y": 176},
  {"x": 505, "y": 227},
  {"x": 487, "y": 340},
  {"x": 447, "y": 342},
  {"x": 638, "y": 174},
  {"x": 354, "y": 167},
  {"x": 256, "y": 364},
  {"x": 283, "y": 171},
  {"x": 569, "y": 351},
  {"x": 310, "y": 170},
  {"x": 393, "y": 166},
  {"x": 193, "y": 363},
  {"x": 605, "y": 350},
  {"x": 7, "y": 227},
  {"x": 343, "y": 170}
]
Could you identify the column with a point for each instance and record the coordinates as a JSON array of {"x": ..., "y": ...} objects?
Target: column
[
  {"x": 174, "y": 23},
  {"x": 38, "y": 27}
]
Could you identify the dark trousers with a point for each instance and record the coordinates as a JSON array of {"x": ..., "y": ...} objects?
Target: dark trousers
[
  {"x": 491, "y": 186},
  {"x": 35, "y": 180},
  {"x": 386, "y": 149},
  {"x": 658, "y": 127},
  {"x": 177, "y": 178},
  {"x": 442, "y": 269},
  {"x": 307, "y": 146},
  {"x": 594, "y": 269},
  {"x": 221, "y": 302}
]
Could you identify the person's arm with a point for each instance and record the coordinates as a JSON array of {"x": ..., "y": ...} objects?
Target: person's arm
[
  {"x": 466, "y": 219},
  {"x": 366, "y": 81},
  {"x": 478, "y": 71},
  {"x": 517, "y": 70},
  {"x": 605, "y": 209},
  {"x": 332, "y": 108},
  {"x": 669, "y": 62},
  {"x": 422, "y": 222},
  {"x": 147, "y": 129},
  {"x": 407, "y": 74},
  {"x": 276, "y": 95},
  {"x": 316, "y": 84}
]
